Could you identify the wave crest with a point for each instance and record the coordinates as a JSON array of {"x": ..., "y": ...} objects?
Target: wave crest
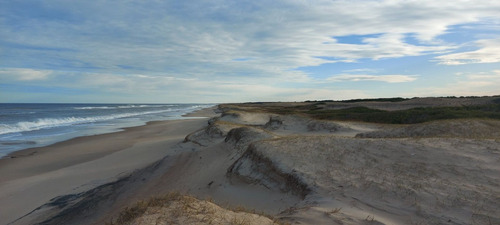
[
  {"x": 44, "y": 123},
  {"x": 121, "y": 107}
]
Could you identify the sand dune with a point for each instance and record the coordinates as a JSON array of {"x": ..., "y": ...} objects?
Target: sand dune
[
  {"x": 279, "y": 168},
  {"x": 463, "y": 128},
  {"x": 175, "y": 208}
]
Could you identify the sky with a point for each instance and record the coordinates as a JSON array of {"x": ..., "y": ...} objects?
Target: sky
[{"x": 219, "y": 51}]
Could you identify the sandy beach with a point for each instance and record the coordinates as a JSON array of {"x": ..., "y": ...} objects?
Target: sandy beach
[
  {"x": 292, "y": 112},
  {"x": 32, "y": 177},
  {"x": 251, "y": 164}
]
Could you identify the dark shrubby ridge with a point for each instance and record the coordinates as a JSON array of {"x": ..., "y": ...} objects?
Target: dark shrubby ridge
[
  {"x": 409, "y": 116},
  {"x": 346, "y": 111},
  {"x": 397, "y": 99}
]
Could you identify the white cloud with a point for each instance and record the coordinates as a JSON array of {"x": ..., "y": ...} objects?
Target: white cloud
[
  {"x": 467, "y": 84},
  {"x": 227, "y": 92},
  {"x": 488, "y": 52},
  {"x": 382, "y": 78},
  {"x": 192, "y": 37},
  {"x": 361, "y": 70},
  {"x": 158, "y": 88},
  {"x": 187, "y": 49},
  {"x": 24, "y": 74}
]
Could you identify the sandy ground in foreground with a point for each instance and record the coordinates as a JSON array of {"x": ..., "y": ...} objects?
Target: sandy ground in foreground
[
  {"x": 32, "y": 177},
  {"x": 295, "y": 169}
]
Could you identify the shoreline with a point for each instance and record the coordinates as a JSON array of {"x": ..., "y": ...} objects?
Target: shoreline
[
  {"x": 290, "y": 167},
  {"x": 32, "y": 177},
  {"x": 197, "y": 114}
]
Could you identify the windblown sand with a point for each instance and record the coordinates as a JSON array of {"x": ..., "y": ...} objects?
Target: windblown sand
[{"x": 287, "y": 169}]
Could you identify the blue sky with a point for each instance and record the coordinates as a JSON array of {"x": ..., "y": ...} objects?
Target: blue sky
[{"x": 238, "y": 51}]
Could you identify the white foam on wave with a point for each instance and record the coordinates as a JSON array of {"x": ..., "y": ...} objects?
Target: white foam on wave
[
  {"x": 94, "y": 107},
  {"x": 195, "y": 107},
  {"x": 133, "y": 106},
  {"x": 60, "y": 122},
  {"x": 121, "y": 107}
]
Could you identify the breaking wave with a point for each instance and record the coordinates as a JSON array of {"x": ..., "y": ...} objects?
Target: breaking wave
[
  {"x": 121, "y": 107},
  {"x": 44, "y": 123}
]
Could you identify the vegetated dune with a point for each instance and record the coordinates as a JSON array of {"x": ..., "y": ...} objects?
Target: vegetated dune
[
  {"x": 175, "y": 208},
  {"x": 449, "y": 174},
  {"x": 421, "y": 102},
  {"x": 389, "y": 104},
  {"x": 300, "y": 170},
  {"x": 393, "y": 181},
  {"x": 392, "y": 104},
  {"x": 460, "y": 128},
  {"x": 430, "y": 181}
]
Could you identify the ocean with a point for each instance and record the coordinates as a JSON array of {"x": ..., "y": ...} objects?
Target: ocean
[{"x": 34, "y": 125}]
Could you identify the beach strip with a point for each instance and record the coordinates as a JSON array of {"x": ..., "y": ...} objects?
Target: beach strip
[{"x": 32, "y": 177}]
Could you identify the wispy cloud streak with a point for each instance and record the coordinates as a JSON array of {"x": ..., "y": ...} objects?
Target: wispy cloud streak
[{"x": 175, "y": 46}]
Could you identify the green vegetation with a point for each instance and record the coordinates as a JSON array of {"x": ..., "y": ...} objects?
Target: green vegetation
[
  {"x": 409, "y": 116},
  {"x": 317, "y": 110},
  {"x": 398, "y": 99}
]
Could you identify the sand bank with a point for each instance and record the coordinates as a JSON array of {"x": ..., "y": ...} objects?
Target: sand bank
[
  {"x": 293, "y": 168},
  {"x": 32, "y": 177}
]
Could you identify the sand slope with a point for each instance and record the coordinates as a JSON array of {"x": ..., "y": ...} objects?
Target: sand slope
[
  {"x": 299, "y": 171},
  {"x": 461, "y": 128},
  {"x": 444, "y": 172},
  {"x": 31, "y": 178}
]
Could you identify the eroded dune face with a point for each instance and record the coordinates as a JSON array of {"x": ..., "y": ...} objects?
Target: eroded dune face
[
  {"x": 390, "y": 174},
  {"x": 394, "y": 178},
  {"x": 301, "y": 170}
]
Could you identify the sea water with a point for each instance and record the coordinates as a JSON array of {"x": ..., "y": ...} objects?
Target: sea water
[{"x": 34, "y": 125}]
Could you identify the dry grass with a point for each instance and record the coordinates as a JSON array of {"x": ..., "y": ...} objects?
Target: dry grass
[
  {"x": 175, "y": 208},
  {"x": 460, "y": 128},
  {"x": 131, "y": 213},
  {"x": 437, "y": 109},
  {"x": 421, "y": 175}
]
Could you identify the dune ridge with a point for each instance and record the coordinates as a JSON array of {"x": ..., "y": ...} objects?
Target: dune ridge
[{"x": 289, "y": 168}]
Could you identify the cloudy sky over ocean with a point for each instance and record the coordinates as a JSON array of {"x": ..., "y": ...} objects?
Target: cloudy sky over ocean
[{"x": 235, "y": 51}]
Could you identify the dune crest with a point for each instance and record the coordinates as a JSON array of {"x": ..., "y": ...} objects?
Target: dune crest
[{"x": 283, "y": 165}]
